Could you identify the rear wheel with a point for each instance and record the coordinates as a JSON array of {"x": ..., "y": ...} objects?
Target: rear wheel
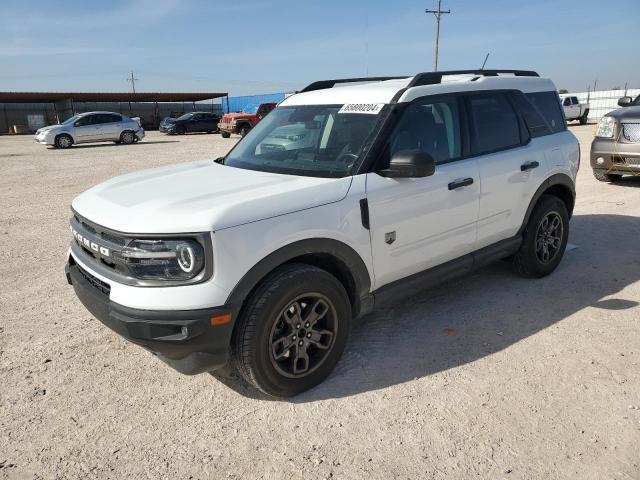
[
  {"x": 584, "y": 118},
  {"x": 293, "y": 330},
  {"x": 225, "y": 134},
  {"x": 63, "y": 141},
  {"x": 127, "y": 137},
  {"x": 603, "y": 176},
  {"x": 544, "y": 239}
]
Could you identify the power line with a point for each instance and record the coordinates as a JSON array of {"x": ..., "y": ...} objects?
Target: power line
[
  {"x": 437, "y": 13},
  {"x": 132, "y": 79}
]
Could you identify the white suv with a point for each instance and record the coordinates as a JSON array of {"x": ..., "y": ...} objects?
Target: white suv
[{"x": 261, "y": 259}]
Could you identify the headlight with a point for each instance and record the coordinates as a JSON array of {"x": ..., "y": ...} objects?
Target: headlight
[
  {"x": 606, "y": 127},
  {"x": 175, "y": 259}
]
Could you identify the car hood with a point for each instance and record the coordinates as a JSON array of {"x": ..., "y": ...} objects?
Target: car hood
[
  {"x": 49, "y": 127},
  {"x": 238, "y": 115},
  {"x": 201, "y": 196},
  {"x": 626, "y": 113}
]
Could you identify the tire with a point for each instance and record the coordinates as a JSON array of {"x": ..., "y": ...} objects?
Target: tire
[
  {"x": 543, "y": 246},
  {"x": 244, "y": 130},
  {"x": 127, "y": 137},
  {"x": 603, "y": 176},
  {"x": 63, "y": 141},
  {"x": 225, "y": 134},
  {"x": 585, "y": 116},
  {"x": 268, "y": 351},
  {"x": 181, "y": 130}
]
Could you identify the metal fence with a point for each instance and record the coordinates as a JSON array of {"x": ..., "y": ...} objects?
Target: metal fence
[
  {"x": 603, "y": 101},
  {"x": 32, "y": 116}
]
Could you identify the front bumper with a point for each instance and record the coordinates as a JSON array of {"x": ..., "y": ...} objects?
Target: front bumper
[
  {"x": 43, "y": 139},
  {"x": 187, "y": 340},
  {"x": 227, "y": 127},
  {"x": 617, "y": 157},
  {"x": 167, "y": 129}
]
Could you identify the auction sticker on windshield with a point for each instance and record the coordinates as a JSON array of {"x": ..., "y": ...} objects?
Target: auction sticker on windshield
[{"x": 370, "y": 108}]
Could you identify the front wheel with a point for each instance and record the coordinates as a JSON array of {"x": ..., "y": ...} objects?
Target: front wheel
[
  {"x": 63, "y": 141},
  {"x": 244, "y": 130},
  {"x": 293, "y": 330},
  {"x": 127, "y": 137},
  {"x": 544, "y": 239},
  {"x": 225, "y": 134},
  {"x": 181, "y": 130}
]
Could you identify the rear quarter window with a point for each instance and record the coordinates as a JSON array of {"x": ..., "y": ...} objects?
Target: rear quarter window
[{"x": 548, "y": 105}]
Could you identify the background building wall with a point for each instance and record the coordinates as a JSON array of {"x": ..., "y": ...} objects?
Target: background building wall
[
  {"x": 238, "y": 104},
  {"x": 19, "y": 113}
]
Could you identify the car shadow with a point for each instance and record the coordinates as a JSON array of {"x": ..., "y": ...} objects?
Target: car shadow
[
  {"x": 628, "y": 181},
  {"x": 468, "y": 319},
  {"x": 111, "y": 144}
]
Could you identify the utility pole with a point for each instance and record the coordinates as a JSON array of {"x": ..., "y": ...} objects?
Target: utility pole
[
  {"x": 132, "y": 79},
  {"x": 437, "y": 13}
]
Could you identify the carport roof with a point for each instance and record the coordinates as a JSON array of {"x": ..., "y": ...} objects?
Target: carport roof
[{"x": 50, "y": 97}]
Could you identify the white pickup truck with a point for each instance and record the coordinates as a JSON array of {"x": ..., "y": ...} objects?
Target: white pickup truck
[{"x": 573, "y": 109}]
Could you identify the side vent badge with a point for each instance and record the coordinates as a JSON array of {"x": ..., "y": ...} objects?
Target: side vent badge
[{"x": 390, "y": 237}]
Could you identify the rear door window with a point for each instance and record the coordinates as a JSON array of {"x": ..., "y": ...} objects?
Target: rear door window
[
  {"x": 547, "y": 104},
  {"x": 494, "y": 123}
]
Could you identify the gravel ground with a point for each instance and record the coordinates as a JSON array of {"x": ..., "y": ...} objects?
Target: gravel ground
[{"x": 491, "y": 376}]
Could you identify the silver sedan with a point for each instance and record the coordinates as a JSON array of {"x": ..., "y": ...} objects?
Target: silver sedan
[{"x": 91, "y": 127}]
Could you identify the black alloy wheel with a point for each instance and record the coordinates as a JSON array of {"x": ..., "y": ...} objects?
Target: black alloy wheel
[{"x": 303, "y": 335}]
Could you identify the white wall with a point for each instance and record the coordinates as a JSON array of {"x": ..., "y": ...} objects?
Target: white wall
[{"x": 603, "y": 101}]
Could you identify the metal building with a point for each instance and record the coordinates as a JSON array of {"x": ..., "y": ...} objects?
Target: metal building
[{"x": 31, "y": 110}]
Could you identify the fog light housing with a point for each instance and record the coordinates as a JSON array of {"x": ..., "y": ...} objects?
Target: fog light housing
[{"x": 600, "y": 161}]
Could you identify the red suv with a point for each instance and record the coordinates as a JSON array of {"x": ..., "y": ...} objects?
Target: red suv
[{"x": 243, "y": 122}]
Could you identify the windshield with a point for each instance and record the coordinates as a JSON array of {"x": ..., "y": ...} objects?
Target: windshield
[
  {"x": 70, "y": 120},
  {"x": 186, "y": 116},
  {"x": 309, "y": 140}
]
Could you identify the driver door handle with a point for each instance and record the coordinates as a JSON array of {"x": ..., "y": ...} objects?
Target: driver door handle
[
  {"x": 529, "y": 166},
  {"x": 463, "y": 182}
]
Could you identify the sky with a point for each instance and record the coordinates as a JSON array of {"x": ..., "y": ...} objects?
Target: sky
[{"x": 281, "y": 45}]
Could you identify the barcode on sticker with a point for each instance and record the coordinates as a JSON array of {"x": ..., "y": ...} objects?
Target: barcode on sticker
[{"x": 370, "y": 108}]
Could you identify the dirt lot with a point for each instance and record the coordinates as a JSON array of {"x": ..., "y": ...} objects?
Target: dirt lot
[{"x": 491, "y": 376}]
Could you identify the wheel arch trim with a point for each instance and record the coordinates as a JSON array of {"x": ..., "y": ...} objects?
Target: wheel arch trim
[
  {"x": 561, "y": 180},
  {"x": 348, "y": 258}
]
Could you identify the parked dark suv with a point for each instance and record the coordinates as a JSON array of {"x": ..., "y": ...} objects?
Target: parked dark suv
[{"x": 190, "y": 122}]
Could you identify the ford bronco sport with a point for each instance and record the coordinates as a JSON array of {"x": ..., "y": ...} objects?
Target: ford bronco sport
[{"x": 261, "y": 260}]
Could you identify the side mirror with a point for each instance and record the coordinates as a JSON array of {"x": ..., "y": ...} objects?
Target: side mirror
[
  {"x": 625, "y": 101},
  {"x": 410, "y": 164}
]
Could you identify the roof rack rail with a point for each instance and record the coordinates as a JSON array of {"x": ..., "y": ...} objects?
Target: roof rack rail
[
  {"x": 322, "y": 84},
  {"x": 432, "y": 78}
]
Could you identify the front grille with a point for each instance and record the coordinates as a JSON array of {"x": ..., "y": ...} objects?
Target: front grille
[
  {"x": 98, "y": 244},
  {"x": 96, "y": 282},
  {"x": 631, "y": 132},
  {"x": 99, "y": 231}
]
